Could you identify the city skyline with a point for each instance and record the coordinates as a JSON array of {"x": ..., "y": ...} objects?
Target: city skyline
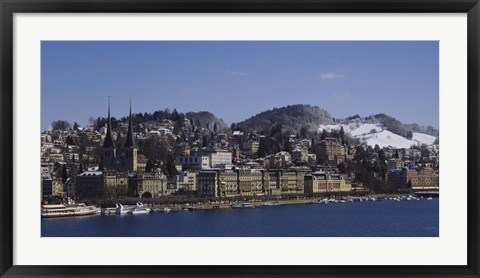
[{"x": 236, "y": 80}]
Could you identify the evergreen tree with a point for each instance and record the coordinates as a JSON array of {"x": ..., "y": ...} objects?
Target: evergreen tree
[
  {"x": 324, "y": 134},
  {"x": 409, "y": 135},
  {"x": 262, "y": 148},
  {"x": 341, "y": 133},
  {"x": 170, "y": 167},
  {"x": 204, "y": 141},
  {"x": 69, "y": 141},
  {"x": 75, "y": 126},
  {"x": 149, "y": 166},
  {"x": 81, "y": 169},
  {"x": 64, "y": 173}
]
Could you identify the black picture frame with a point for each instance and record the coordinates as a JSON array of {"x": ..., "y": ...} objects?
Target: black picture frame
[{"x": 9, "y": 7}]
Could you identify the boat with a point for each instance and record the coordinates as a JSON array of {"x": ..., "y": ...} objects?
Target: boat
[
  {"x": 242, "y": 205},
  {"x": 167, "y": 209},
  {"x": 271, "y": 204},
  {"x": 429, "y": 198},
  {"x": 322, "y": 201},
  {"x": 62, "y": 210},
  {"x": 121, "y": 209},
  {"x": 139, "y": 208},
  {"x": 109, "y": 211}
]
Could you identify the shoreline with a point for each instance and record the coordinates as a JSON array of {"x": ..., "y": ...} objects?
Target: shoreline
[{"x": 261, "y": 203}]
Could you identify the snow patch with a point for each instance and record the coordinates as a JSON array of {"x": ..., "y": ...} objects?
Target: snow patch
[{"x": 375, "y": 134}]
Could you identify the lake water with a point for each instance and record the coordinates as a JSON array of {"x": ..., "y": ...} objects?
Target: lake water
[{"x": 359, "y": 219}]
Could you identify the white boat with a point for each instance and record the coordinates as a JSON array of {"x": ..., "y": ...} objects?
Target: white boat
[
  {"x": 61, "y": 210},
  {"x": 429, "y": 198},
  {"x": 139, "y": 208},
  {"x": 322, "y": 201},
  {"x": 121, "y": 209},
  {"x": 271, "y": 204},
  {"x": 236, "y": 205},
  {"x": 247, "y": 205},
  {"x": 109, "y": 211},
  {"x": 167, "y": 209}
]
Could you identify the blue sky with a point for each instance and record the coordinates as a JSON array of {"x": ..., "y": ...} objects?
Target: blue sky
[{"x": 238, "y": 79}]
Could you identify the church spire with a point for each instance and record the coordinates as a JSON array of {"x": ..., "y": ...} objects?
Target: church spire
[
  {"x": 108, "y": 143},
  {"x": 130, "y": 143}
]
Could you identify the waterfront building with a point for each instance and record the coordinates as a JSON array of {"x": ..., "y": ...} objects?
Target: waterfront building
[
  {"x": 47, "y": 185},
  {"x": 320, "y": 182},
  {"x": 147, "y": 184},
  {"x": 273, "y": 178},
  {"x": 245, "y": 182},
  {"x": 186, "y": 182},
  {"x": 288, "y": 181},
  {"x": 406, "y": 179},
  {"x": 93, "y": 184},
  {"x": 228, "y": 183},
  {"x": 207, "y": 181}
]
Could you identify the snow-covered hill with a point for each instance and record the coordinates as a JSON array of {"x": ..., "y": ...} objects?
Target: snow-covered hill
[{"x": 374, "y": 134}]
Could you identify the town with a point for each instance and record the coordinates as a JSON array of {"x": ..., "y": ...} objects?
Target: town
[{"x": 170, "y": 155}]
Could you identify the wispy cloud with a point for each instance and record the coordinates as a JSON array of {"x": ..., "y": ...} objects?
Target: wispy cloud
[
  {"x": 235, "y": 73},
  {"x": 331, "y": 75}
]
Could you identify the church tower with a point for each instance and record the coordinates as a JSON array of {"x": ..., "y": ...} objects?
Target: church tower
[
  {"x": 109, "y": 152},
  {"x": 130, "y": 147}
]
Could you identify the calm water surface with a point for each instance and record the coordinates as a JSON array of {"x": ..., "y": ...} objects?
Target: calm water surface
[{"x": 360, "y": 219}]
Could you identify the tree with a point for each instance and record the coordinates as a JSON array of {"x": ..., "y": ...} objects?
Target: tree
[
  {"x": 262, "y": 148},
  {"x": 64, "y": 173},
  {"x": 81, "y": 168},
  {"x": 170, "y": 169},
  {"x": 60, "y": 125},
  {"x": 409, "y": 135},
  {"x": 341, "y": 133},
  {"x": 303, "y": 132},
  {"x": 69, "y": 141},
  {"x": 215, "y": 127},
  {"x": 149, "y": 166},
  {"x": 75, "y": 126},
  {"x": 324, "y": 134},
  {"x": 204, "y": 141}
]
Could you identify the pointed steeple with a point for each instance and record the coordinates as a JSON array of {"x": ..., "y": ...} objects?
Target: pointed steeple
[
  {"x": 130, "y": 143},
  {"x": 108, "y": 143}
]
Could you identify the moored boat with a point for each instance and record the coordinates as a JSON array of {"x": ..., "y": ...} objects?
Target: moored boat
[
  {"x": 61, "y": 210},
  {"x": 139, "y": 208},
  {"x": 121, "y": 209}
]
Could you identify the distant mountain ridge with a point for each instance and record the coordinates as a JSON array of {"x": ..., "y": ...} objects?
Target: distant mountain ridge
[
  {"x": 399, "y": 128},
  {"x": 291, "y": 117},
  {"x": 374, "y": 129}
]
